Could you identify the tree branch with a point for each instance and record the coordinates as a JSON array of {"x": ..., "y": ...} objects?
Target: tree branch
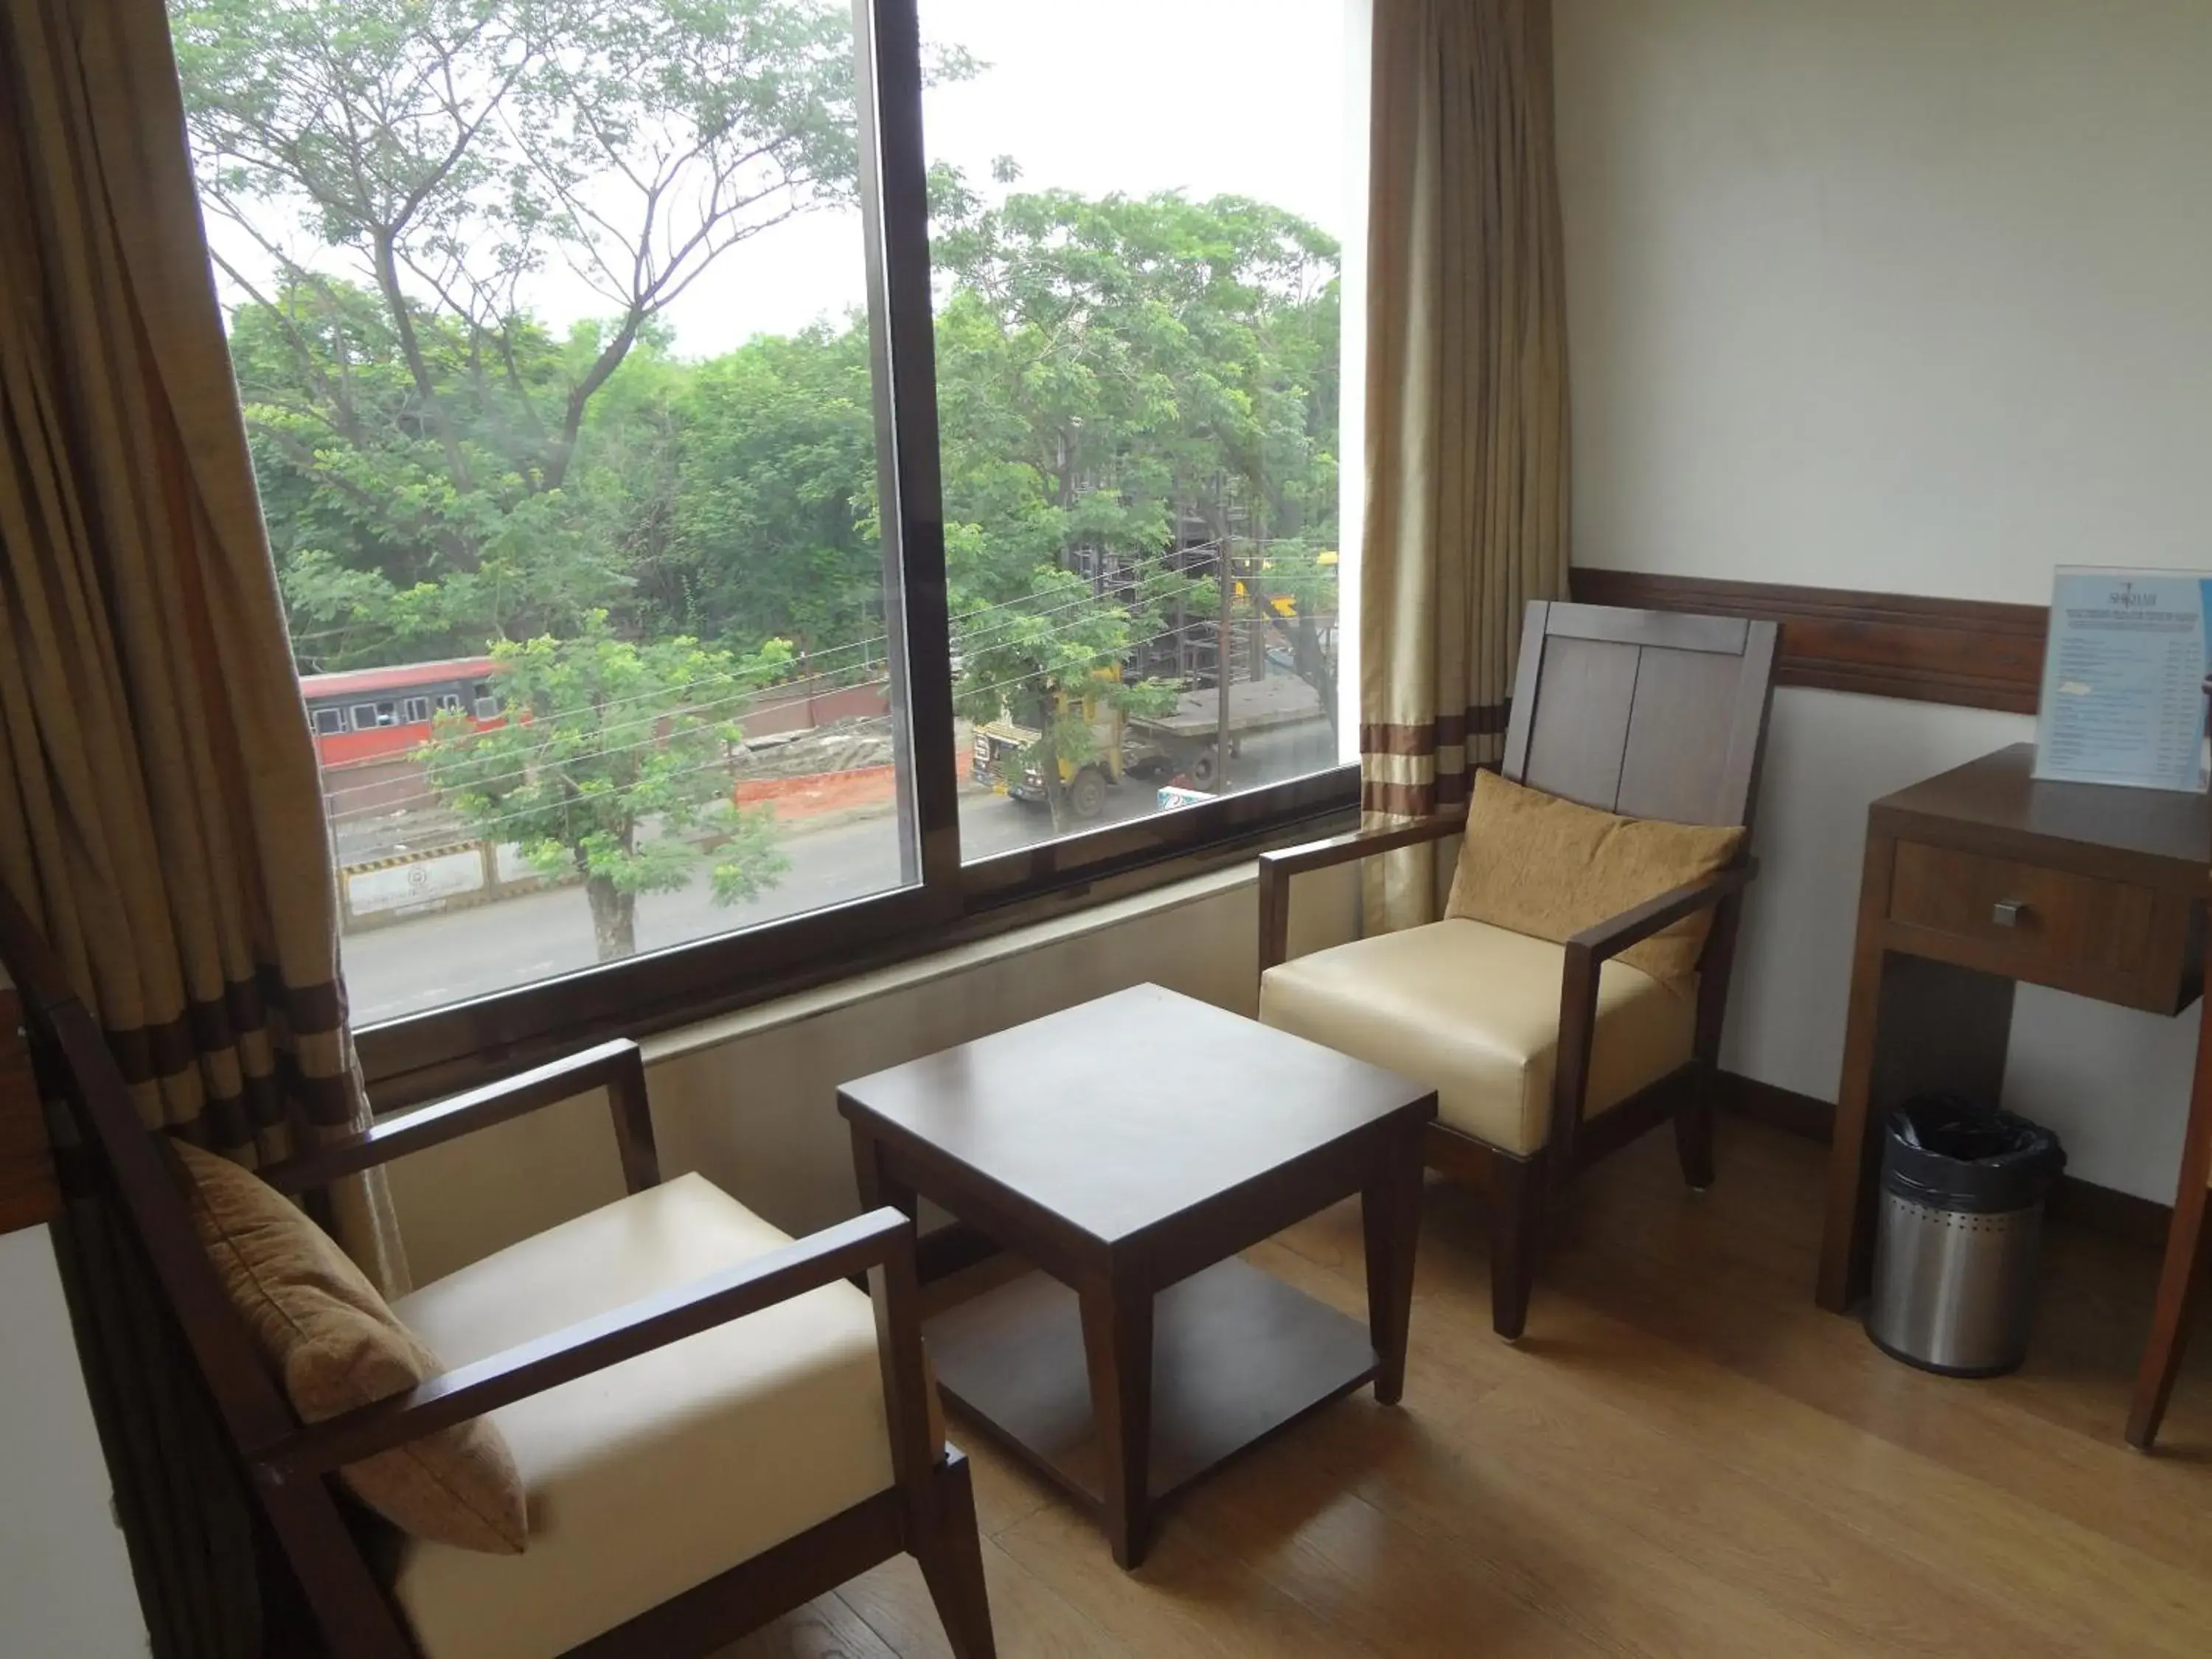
[{"x": 411, "y": 349}]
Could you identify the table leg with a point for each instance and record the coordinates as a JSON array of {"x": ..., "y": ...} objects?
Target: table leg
[
  {"x": 2181, "y": 1281},
  {"x": 1916, "y": 1025},
  {"x": 878, "y": 1185},
  {"x": 1117, "y": 1342},
  {"x": 1390, "y": 1216},
  {"x": 1845, "y": 1246}
]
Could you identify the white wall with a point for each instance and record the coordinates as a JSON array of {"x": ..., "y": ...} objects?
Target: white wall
[
  {"x": 65, "y": 1588},
  {"x": 1909, "y": 295}
]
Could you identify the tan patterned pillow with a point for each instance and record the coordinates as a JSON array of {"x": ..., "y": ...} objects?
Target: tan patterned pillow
[
  {"x": 335, "y": 1345},
  {"x": 1549, "y": 868}
]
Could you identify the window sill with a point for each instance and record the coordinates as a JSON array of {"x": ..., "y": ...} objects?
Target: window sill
[
  {"x": 1020, "y": 940},
  {"x": 399, "y": 1073}
]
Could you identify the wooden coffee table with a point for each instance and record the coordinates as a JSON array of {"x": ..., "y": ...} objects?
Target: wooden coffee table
[{"x": 1128, "y": 1149}]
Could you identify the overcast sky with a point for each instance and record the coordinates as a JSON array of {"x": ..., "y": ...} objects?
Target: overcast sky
[
  {"x": 1210, "y": 97},
  {"x": 1213, "y": 97}
]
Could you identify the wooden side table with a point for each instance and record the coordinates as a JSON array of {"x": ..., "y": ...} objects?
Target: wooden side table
[
  {"x": 1128, "y": 1148},
  {"x": 1975, "y": 880}
]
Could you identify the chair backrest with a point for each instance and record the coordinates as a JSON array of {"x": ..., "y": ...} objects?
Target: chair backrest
[{"x": 1648, "y": 714}]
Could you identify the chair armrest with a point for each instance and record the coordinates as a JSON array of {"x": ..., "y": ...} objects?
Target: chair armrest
[
  {"x": 617, "y": 1066},
  {"x": 1587, "y": 952},
  {"x": 1276, "y": 869},
  {"x": 1614, "y": 934},
  {"x": 880, "y": 1237}
]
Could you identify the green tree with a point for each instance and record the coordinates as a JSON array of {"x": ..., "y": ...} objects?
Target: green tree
[
  {"x": 1120, "y": 379},
  {"x": 1054, "y": 662},
  {"x": 1304, "y": 577},
  {"x": 773, "y": 516},
  {"x": 1152, "y": 361},
  {"x": 386, "y": 174},
  {"x": 611, "y": 759},
  {"x": 380, "y": 559}
]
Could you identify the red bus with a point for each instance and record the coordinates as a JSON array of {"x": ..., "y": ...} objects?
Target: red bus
[{"x": 385, "y": 714}]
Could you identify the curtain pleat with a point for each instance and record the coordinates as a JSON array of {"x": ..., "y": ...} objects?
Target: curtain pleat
[
  {"x": 1466, "y": 407},
  {"x": 160, "y": 809}
]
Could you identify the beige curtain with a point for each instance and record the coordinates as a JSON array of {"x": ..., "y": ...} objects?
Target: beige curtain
[
  {"x": 160, "y": 810},
  {"x": 1466, "y": 407}
]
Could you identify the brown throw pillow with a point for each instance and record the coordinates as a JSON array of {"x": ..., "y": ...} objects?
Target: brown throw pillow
[
  {"x": 1548, "y": 867},
  {"x": 335, "y": 1345}
]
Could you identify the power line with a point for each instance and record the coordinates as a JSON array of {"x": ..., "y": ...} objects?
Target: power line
[
  {"x": 385, "y": 809},
  {"x": 702, "y": 711},
  {"x": 810, "y": 662},
  {"x": 551, "y": 727}
]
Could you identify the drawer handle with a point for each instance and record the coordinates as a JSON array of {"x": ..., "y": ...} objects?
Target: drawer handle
[{"x": 2009, "y": 913}]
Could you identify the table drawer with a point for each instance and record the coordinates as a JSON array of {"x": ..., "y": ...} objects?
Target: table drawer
[{"x": 2057, "y": 924}]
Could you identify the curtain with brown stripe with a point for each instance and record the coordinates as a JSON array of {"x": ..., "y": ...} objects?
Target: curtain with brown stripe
[
  {"x": 160, "y": 809},
  {"x": 1466, "y": 407}
]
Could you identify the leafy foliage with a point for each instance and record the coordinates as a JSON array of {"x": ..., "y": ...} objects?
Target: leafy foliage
[
  {"x": 773, "y": 525},
  {"x": 444, "y": 151},
  {"x": 1134, "y": 392},
  {"x": 1052, "y": 663},
  {"x": 1119, "y": 379},
  {"x": 611, "y": 759}
]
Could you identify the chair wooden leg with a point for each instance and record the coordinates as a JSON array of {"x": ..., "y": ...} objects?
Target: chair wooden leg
[
  {"x": 1694, "y": 1131},
  {"x": 951, "y": 1558},
  {"x": 2180, "y": 1284},
  {"x": 1517, "y": 1192}
]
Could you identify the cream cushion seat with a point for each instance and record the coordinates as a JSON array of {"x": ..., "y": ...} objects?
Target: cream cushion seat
[
  {"x": 656, "y": 1474},
  {"x": 1474, "y": 1009}
]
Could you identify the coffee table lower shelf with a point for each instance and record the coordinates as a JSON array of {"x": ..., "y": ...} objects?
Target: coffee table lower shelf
[{"x": 1237, "y": 1355}]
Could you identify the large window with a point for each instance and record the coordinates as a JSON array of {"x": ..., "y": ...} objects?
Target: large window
[
  {"x": 1135, "y": 220},
  {"x": 756, "y": 475}
]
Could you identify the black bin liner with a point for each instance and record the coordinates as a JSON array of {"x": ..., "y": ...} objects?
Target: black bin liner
[{"x": 1950, "y": 1154}]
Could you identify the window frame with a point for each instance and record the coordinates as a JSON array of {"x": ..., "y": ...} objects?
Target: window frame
[{"x": 944, "y": 901}]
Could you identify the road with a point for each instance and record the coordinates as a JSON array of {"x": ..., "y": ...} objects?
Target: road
[{"x": 429, "y": 961}]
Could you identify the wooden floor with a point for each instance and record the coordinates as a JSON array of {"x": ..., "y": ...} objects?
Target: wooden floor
[{"x": 1683, "y": 1457}]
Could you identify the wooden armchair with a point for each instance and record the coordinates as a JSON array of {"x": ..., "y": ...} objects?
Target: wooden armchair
[
  {"x": 705, "y": 1508},
  {"x": 1645, "y": 713}
]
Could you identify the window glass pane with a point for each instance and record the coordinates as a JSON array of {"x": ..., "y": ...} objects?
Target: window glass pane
[
  {"x": 1136, "y": 228},
  {"x": 548, "y": 322}
]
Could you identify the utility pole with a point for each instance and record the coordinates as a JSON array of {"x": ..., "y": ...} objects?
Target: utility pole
[
  {"x": 1221, "y": 669},
  {"x": 1255, "y": 628}
]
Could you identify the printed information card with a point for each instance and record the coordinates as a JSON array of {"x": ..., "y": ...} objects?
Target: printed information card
[{"x": 2124, "y": 678}]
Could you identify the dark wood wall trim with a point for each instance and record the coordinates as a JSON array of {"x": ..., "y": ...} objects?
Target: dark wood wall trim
[
  {"x": 2101, "y": 1209},
  {"x": 1969, "y": 652},
  {"x": 27, "y": 1194}
]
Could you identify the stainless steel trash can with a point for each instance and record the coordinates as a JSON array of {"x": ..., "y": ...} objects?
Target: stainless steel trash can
[{"x": 1956, "y": 1235}]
